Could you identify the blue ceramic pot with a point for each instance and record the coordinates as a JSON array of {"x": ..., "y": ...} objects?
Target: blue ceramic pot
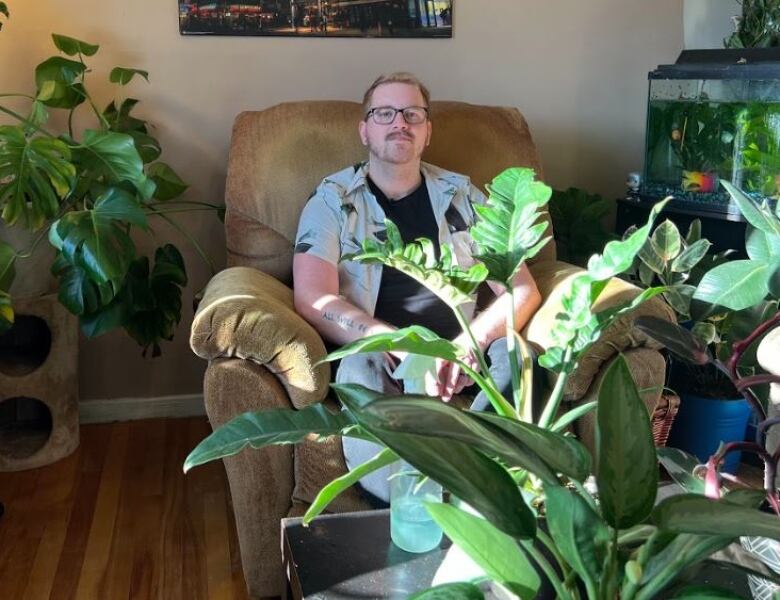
[{"x": 703, "y": 423}]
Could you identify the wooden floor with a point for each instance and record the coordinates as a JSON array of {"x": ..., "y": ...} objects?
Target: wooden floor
[{"x": 119, "y": 519}]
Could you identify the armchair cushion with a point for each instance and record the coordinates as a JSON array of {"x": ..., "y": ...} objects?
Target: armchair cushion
[
  {"x": 553, "y": 279},
  {"x": 248, "y": 314}
]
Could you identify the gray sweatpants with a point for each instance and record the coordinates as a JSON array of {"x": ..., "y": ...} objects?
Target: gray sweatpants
[{"x": 373, "y": 372}]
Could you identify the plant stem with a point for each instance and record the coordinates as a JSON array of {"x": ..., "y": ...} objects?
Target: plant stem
[
  {"x": 740, "y": 347},
  {"x": 192, "y": 240},
  {"x": 496, "y": 399},
  {"x": 511, "y": 346},
  {"x": 501, "y": 406},
  {"x": 26, "y": 121},
  {"x": 746, "y": 382},
  {"x": 554, "y": 401},
  {"x": 196, "y": 202},
  {"x": 608, "y": 582},
  {"x": 641, "y": 532},
  {"x": 547, "y": 569},
  {"x": 527, "y": 376},
  {"x": 645, "y": 552},
  {"x": 586, "y": 495}
]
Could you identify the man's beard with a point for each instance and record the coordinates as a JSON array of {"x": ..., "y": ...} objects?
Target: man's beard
[{"x": 385, "y": 151}]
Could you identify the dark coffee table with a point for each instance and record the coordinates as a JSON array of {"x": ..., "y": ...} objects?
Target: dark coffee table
[{"x": 350, "y": 555}]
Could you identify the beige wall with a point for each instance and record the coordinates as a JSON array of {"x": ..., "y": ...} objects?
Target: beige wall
[
  {"x": 576, "y": 69},
  {"x": 707, "y": 22}
]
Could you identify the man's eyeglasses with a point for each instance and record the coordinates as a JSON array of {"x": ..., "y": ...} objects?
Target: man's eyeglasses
[{"x": 384, "y": 115}]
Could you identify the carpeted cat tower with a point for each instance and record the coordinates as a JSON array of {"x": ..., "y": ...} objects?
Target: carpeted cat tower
[{"x": 39, "y": 417}]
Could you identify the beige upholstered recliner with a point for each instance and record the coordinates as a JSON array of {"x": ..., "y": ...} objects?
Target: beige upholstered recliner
[{"x": 261, "y": 354}]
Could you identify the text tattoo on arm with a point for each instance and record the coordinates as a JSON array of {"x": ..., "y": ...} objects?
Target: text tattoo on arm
[{"x": 344, "y": 322}]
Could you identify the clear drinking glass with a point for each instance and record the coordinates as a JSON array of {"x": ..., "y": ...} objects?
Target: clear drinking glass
[{"x": 411, "y": 527}]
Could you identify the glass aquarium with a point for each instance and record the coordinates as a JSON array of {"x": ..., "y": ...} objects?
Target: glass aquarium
[{"x": 715, "y": 114}]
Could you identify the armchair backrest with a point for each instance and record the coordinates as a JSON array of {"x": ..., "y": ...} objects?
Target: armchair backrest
[{"x": 279, "y": 155}]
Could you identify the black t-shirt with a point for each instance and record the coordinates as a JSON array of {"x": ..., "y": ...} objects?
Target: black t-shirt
[{"x": 402, "y": 301}]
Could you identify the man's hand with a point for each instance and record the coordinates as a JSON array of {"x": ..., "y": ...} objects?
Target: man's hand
[{"x": 449, "y": 378}]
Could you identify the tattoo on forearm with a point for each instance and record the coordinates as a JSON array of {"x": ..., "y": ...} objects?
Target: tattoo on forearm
[{"x": 344, "y": 322}]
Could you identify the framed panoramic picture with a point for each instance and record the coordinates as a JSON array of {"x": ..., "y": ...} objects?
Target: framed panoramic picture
[{"x": 318, "y": 18}]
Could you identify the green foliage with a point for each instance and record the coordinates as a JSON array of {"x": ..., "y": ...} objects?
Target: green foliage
[
  {"x": 758, "y": 26},
  {"x": 508, "y": 472},
  {"x": 90, "y": 196},
  {"x": 510, "y": 228},
  {"x": 494, "y": 551},
  {"x": 741, "y": 284},
  {"x": 578, "y": 224},
  {"x": 579, "y": 326},
  {"x": 627, "y": 475},
  {"x": 668, "y": 259},
  {"x": 35, "y": 176},
  {"x": 123, "y": 76},
  {"x": 450, "y": 591},
  {"x": 3, "y": 11},
  {"x": 418, "y": 260},
  {"x": 258, "y": 429}
]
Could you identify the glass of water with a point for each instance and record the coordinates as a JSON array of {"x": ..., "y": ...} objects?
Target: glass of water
[{"x": 411, "y": 527}]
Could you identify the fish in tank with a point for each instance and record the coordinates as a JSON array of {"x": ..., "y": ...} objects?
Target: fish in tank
[{"x": 712, "y": 120}]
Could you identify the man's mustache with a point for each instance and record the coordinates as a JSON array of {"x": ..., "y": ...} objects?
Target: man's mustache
[{"x": 400, "y": 134}]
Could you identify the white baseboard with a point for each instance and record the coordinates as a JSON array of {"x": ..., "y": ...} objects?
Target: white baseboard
[{"x": 133, "y": 409}]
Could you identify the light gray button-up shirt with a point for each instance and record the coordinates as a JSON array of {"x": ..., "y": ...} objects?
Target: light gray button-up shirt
[{"x": 343, "y": 212}]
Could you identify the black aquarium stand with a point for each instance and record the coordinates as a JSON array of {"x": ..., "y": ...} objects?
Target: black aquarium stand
[{"x": 724, "y": 233}]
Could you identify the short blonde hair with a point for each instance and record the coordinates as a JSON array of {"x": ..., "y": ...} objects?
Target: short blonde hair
[{"x": 398, "y": 77}]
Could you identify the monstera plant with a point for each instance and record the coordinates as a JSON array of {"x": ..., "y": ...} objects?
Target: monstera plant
[{"x": 89, "y": 193}]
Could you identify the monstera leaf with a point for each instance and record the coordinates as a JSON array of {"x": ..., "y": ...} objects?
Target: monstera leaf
[
  {"x": 57, "y": 82},
  {"x": 418, "y": 260},
  {"x": 507, "y": 232},
  {"x": 153, "y": 299},
  {"x": 35, "y": 174},
  {"x": 120, "y": 121},
  {"x": 77, "y": 291},
  {"x": 123, "y": 75},
  {"x": 168, "y": 184},
  {"x": 96, "y": 240},
  {"x": 114, "y": 157},
  {"x": 72, "y": 46}
]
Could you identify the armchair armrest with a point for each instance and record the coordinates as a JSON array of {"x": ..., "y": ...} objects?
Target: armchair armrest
[
  {"x": 248, "y": 314},
  {"x": 553, "y": 279}
]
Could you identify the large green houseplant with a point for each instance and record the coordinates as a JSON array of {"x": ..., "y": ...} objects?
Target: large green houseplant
[
  {"x": 512, "y": 471},
  {"x": 89, "y": 192}
]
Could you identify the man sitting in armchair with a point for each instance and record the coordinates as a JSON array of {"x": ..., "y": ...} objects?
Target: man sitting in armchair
[{"x": 345, "y": 301}]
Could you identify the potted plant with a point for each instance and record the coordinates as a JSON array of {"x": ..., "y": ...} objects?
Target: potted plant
[
  {"x": 738, "y": 286},
  {"x": 757, "y": 27},
  {"x": 87, "y": 194},
  {"x": 508, "y": 472},
  {"x": 578, "y": 224},
  {"x": 710, "y": 409}
]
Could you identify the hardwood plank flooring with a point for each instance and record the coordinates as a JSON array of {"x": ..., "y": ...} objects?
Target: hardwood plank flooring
[{"x": 119, "y": 520}]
